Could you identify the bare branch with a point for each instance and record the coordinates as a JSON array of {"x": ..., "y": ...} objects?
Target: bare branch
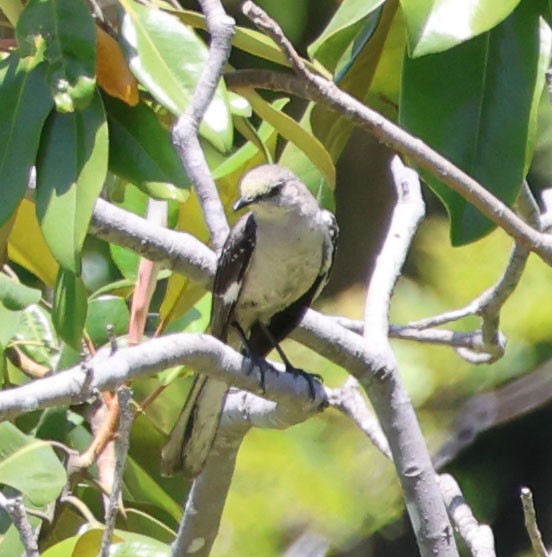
[
  {"x": 204, "y": 353},
  {"x": 531, "y": 525},
  {"x": 478, "y": 537},
  {"x": 185, "y": 132},
  {"x": 349, "y": 400},
  {"x": 16, "y": 510},
  {"x": 124, "y": 395}
]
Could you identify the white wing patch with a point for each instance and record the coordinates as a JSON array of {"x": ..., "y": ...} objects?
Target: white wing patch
[{"x": 232, "y": 293}]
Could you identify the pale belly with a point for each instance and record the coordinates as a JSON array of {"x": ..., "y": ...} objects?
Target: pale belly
[{"x": 279, "y": 279}]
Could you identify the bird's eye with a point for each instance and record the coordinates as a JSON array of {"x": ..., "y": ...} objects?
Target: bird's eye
[{"x": 275, "y": 189}]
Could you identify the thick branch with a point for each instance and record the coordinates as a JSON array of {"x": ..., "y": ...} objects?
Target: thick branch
[{"x": 203, "y": 353}]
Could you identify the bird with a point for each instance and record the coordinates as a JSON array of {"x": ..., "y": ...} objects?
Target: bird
[{"x": 274, "y": 263}]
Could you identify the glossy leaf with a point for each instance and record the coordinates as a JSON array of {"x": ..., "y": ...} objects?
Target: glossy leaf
[
  {"x": 36, "y": 338},
  {"x": 70, "y": 308},
  {"x": 24, "y": 104},
  {"x": 141, "y": 151},
  {"x": 103, "y": 312},
  {"x": 10, "y": 321},
  {"x": 292, "y": 131},
  {"x": 30, "y": 466},
  {"x": 16, "y": 296},
  {"x": 167, "y": 57},
  {"x": 65, "y": 29},
  {"x": 434, "y": 26},
  {"x": 27, "y": 246},
  {"x": 350, "y": 17},
  {"x": 249, "y": 40},
  {"x": 491, "y": 81},
  {"x": 71, "y": 169},
  {"x": 113, "y": 73},
  {"x": 12, "y": 10}
]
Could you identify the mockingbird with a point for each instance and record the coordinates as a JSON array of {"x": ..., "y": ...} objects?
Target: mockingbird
[{"x": 274, "y": 263}]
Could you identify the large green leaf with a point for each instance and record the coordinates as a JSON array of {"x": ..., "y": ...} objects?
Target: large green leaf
[
  {"x": 16, "y": 296},
  {"x": 65, "y": 31},
  {"x": 70, "y": 308},
  {"x": 30, "y": 466},
  {"x": 71, "y": 169},
  {"x": 106, "y": 311},
  {"x": 351, "y": 17},
  {"x": 479, "y": 116},
  {"x": 141, "y": 151},
  {"x": 167, "y": 57},
  {"x": 24, "y": 104},
  {"x": 436, "y": 25}
]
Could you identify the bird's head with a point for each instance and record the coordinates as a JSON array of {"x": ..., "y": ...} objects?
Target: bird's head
[{"x": 272, "y": 189}]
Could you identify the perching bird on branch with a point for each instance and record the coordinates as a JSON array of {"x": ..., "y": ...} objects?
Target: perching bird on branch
[{"x": 274, "y": 263}]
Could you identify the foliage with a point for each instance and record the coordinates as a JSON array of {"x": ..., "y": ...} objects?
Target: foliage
[{"x": 84, "y": 113}]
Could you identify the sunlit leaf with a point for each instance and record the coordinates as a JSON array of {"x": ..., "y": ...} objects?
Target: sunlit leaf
[
  {"x": 113, "y": 73},
  {"x": 167, "y": 57},
  {"x": 27, "y": 246},
  {"x": 66, "y": 29},
  {"x": 434, "y": 26},
  {"x": 350, "y": 17},
  {"x": 491, "y": 81},
  {"x": 71, "y": 169},
  {"x": 24, "y": 104}
]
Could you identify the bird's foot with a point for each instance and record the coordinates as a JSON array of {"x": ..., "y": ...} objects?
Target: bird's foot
[
  {"x": 262, "y": 365},
  {"x": 310, "y": 378}
]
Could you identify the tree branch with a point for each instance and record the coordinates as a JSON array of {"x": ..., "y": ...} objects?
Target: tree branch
[
  {"x": 16, "y": 510},
  {"x": 318, "y": 89},
  {"x": 185, "y": 133}
]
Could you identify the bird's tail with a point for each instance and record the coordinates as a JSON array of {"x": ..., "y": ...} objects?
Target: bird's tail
[{"x": 192, "y": 436}]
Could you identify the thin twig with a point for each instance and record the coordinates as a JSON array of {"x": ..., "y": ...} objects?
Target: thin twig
[
  {"x": 124, "y": 394},
  {"x": 16, "y": 510},
  {"x": 531, "y": 525},
  {"x": 185, "y": 132}
]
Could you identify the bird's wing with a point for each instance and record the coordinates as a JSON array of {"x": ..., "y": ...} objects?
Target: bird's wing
[
  {"x": 281, "y": 324},
  {"x": 229, "y": 277},
  {"x": 193, "y": 434}
]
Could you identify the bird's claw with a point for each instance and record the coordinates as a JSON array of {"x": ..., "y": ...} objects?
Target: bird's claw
[{"x": 310, "y": 378}]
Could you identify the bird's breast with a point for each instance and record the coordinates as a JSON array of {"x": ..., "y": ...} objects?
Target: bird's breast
[{"x": 285, "y": 264}]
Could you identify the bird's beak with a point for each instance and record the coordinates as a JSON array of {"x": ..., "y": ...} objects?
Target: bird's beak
[{"x": 241, "y": 203}]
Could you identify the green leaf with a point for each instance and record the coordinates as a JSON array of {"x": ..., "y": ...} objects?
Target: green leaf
[
  {"x": 36, "y": 338},
  {"x": 141, "y": 151},
  {"x": 12, "y": 10},
  {"x": 292, "y": 131},
  {"x": 491, "y": 82},
  {"x": 104, "y": 311},
  {"x": 167, "y": 57},
  {"x": 9, "y": 326},
  {"x": 434, "y": 26},
  {"x": 71, "y": 169},
  {"x": 248, "y": 40},
  {"x": 30, "y": 466},
  {"x": 351, "y": 17},
  {"x": 66, "y": 29},
  {"x": 16, "y": 296},
  {"x": 24, "y": 105},
  {"x": 70, "y": 308}
]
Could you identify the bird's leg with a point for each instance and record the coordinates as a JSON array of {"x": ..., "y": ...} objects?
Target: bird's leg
[
  {"x": 290, "y": 368},
  {"x": 259, "y": 361}
]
